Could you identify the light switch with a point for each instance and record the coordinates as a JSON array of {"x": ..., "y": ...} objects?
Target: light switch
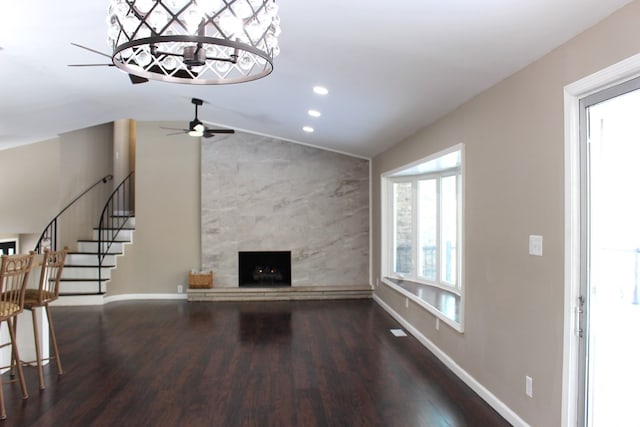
[{"x": 535, "y": 245}]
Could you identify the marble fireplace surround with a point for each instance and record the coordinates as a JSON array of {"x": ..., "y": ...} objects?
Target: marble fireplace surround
[{"x": 264, "y": 194}]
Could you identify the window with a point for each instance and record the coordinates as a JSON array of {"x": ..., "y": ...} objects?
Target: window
[{"x": 421, "y": 221}]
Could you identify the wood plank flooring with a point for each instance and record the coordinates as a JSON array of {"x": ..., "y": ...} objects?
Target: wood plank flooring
[{"x": 279, "y": 363}]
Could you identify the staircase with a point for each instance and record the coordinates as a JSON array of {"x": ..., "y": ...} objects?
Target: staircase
[
  {"x": 82, "y": 274},
  {"x": 88, "y": 270}
]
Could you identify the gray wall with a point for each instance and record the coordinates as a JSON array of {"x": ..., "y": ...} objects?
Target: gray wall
[
  {"x": 29, "y": 187},
  {"x": 514, "y": 145},
  {"x": 86, "y": 156},
  {"x": 166, "y": 243},
  {"x": 263, "y": 194},
  {"x": 38, "y": 180}
]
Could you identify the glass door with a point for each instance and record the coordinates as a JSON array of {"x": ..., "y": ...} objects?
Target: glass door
[{"x": 610, "y": 319}]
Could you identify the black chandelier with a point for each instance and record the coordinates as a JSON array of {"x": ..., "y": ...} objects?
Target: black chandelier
[{"x": 194, "y": 41}]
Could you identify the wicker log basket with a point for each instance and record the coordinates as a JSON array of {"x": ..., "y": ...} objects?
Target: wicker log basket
[{"x": 201, "y": 280}]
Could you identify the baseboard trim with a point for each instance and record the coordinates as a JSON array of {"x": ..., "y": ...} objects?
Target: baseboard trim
[
  {"x": 132, "y": 297},
  {"x": 78, "y": 300},
  {"x": 83, "y": 300},
  {"x": 476, "y": 386}
]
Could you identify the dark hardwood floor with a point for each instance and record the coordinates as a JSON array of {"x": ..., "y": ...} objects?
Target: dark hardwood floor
[{"x": 305, "y": 363}]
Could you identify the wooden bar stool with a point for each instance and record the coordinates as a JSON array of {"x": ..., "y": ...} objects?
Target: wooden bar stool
[
  {"x": 14, "y": 275},
  {"x": 48, "y": 288}
]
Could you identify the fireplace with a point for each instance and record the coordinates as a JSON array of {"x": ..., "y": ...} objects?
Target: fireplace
[{"x": 264, "y": 269}]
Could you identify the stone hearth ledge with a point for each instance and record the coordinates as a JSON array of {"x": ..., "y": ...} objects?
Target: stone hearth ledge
[{"x": 280, "y": 294}]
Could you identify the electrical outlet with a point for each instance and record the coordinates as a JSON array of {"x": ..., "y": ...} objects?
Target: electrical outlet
[
  {"x": 437, "y": 324},
  {"x": 406, "y": 303},
  {"x": 528, "y": 386},
  {"x": 180, "y": 289},
  {"x": 377, "y": 282}
]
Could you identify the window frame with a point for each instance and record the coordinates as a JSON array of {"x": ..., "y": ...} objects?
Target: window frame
[{"x": 388, "y": 275}]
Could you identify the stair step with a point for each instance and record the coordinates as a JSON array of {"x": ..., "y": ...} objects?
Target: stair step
[
  {"x": 114, "y": 228},
  {"x": 80, "y": 274},
  {"x": 85, "y": 273},
  {"x": 92, "y": 246},
  {"x": 90, "y": 259},
  {"x": 88, "y": 266},
  {"x": 80, "y": 286},
  {"x": 92, "y": 253},
  {"x": 124, "y": 234},
  {"x": 96, "y": 241}
]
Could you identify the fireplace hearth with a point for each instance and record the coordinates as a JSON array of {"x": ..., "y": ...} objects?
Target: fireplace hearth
[{"x": 264, "y": 269}]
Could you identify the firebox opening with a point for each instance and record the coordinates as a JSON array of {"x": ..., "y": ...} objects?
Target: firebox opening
[{"x": 264, "y": 269}]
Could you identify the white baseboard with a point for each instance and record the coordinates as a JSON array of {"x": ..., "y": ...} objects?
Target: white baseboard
[
  {"x": 481, "y": 390},
  {"x": 132, "y": 297},
  {"x": 78, "y": 300},
  {"x": 82, "y": 300}
]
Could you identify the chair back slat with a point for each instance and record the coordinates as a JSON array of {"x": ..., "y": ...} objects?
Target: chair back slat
[
  {"x": 14, "y": 275},
  {"x": 52, "y": 265}
]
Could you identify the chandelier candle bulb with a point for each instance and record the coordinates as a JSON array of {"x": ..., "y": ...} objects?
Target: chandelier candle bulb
[{"x": 204, "y": 42}]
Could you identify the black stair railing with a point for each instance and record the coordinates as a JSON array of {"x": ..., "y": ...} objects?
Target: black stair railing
[
  {"x": 49, "y": 237},
  {"x": 115, "y": 215}
]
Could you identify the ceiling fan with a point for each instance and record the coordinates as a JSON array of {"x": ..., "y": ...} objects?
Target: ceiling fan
[
  {"x": 197, "y": 128},
  {"x": 134, "y": 79}
]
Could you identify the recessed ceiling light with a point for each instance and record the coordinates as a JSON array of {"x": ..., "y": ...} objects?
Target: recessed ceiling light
[
  {"x": 320, "y": 90},
  {"x": 307, "y": 129},
  {"x": 314, "y": 113}
]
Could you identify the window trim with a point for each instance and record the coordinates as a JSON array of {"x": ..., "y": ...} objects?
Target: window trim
[{"x": 387, "y": 179}]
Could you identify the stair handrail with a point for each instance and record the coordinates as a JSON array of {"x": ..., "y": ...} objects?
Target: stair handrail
[
  {"x": 51, "y": 230},
  {"x": 110, "y": 224}
]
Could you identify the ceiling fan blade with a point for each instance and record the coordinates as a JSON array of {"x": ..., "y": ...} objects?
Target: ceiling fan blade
[
  {"x": 165, "y": 128},
  {"x": 137, "y": 79},
  {"x": 90, "y": 65},
  {"x": 219, "y": 131},
  {"x": 91, "y": 50},
  {"x": 175, "y": 133}
]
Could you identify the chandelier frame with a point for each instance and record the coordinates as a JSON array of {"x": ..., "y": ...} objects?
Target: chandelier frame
[{"x": 208, "y": 54}]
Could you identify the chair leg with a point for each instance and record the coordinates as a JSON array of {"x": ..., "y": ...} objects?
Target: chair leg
[
  {"x": 16, "y": 356},
  {"x": 54, "y": 342},
  {"x": 3, "y": 411},
  {"x": 36, "y": 336},
  {"x": 13, "y": 325}
]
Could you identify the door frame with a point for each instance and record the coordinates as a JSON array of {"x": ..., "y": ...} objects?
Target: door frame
[{"x": 573, "y": 93}]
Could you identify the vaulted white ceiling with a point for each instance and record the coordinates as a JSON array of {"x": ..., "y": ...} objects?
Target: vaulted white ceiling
[{"x": 392, "y": 68}]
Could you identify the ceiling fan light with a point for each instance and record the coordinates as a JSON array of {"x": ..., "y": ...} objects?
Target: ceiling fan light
[
  {"x": 195, "y": 133},
  {"x": 199, "y": 128}
]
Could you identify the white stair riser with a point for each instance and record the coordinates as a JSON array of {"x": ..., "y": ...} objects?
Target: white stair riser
[
  {"x": 84, "y": 273},
  {"x": 88, "y": 287},
  {"x": 121, "y": 235},
  {"x": 85, "y": 278},
  {"x": 85, "y": 259},
  {"x": 130, "y": 223},
  {"x": 116, "y": 248}
]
